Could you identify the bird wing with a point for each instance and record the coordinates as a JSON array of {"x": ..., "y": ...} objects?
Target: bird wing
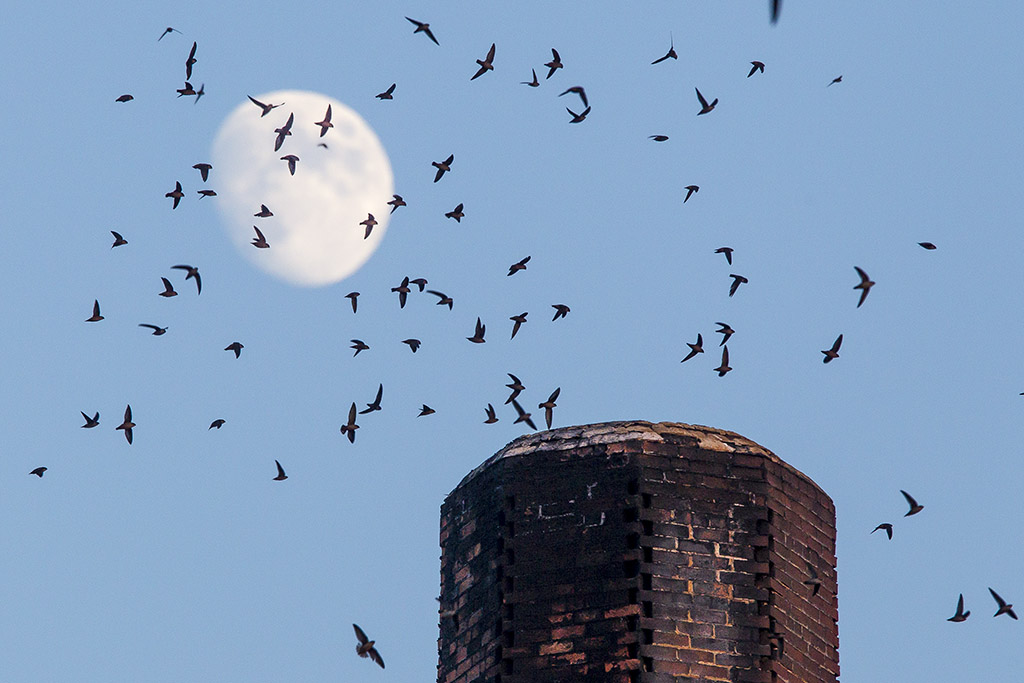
[
  {"x": 360, "y": 636},
  {"x": 703, "y": 102},
  {"x": 837, "y": 343},
  {"x": 280, "y": 470},
  {"x": 999, "y": 600},
  {"x": 554, "y": 395},
  {"x": 910, "y": 499},
  {"x": 864, "y": 279}
]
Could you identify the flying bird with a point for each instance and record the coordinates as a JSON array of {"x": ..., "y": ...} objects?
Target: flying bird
[
  {"x": 284, "y": 131},
  {"x": 694, "y": 348},
  {"x": 725, "y": 331},
  {"x": 264, "y": 212},
  {"x": 671, "y": 51},
  {"x": 960, "y": 615},
  {"x": 206, "y": 193},
  {"x": 358, "y": 345},
  {"x": 724, "y": 367},
  {"x": 265, "y": 107},
  {"x": 403, "y": 291},
  {"x": 350, "y": 427},
  {"x": 176, "y": 194},
  {"x": 124, "y": 98},
  {"x": 157, "y": 331},
  {"x": 886, "y": 527},
  {"x": 550, "y": 405},
  {"x": 90, "y": 422},
  {"x": 420, "y": 282},
  {"x": 456, "y": 213},
  {"x": 187, "y": 90},
  {"x": 775, "y": 6},
  {"x": 127, "y": 424},
  {"x": 414, "y": 344},
  {"x": 914, "y": 507},
  {"x": 486, "y": 64},
  {"x": 554, "y": 65},
  {"x": 118, "y": 240},
  {"x": 291, "y": 159},
  {"x": 518, "y": 265},
  {"x": 168, "y": 289},
  {"x": 371, "y": 407},
  {"x": 478, "y": 334},
  {"x": 204, "y": 170},
  {"x": 491, "y": 416},
  {"x": 690, "y": 190},
  {"x": 865, "y": 285},
  {"x": 442, "y": 166},
  {"x": 578, "y": 89},
  {"x": 927, "y": 245},
  {"x": 518, "y": 320},
  {"x": 192, "y": 273},
  {"x": 534, "y": 83},
  {"x": 236, "y": 347},
  {"x": 837, "y": 79},
  {"x": 218, "y": 423},
  {"x": 755, "y": 67},
  {"x": 704, "y": 106},
  {"x": 425, "y": 28},
  {"x": 578, "y": 118},
  {"x": 523, "y": 416},
  {"x": 259, "y": 241},
  {"x": 190, "y": 61},
  {"x": 658, "y": 138},
  {"x": 727, "y": 251},
  {"x": 426, "y": 410},
  {"x": 561, "y": 310},
  {"x": 516, "y": 386},
  {"x": 200, "y": 93},
  {"x": 813, "y": 581},
  {"x": 166, "y": 31},
  {"x": 833, "y": 353},
  {"x": 443, "y": 299},
  {"x": 737, "y": 280},
  {"x": 281, "y": 476},
  {"x": 387, "y": 94},
  {"x": 96, "y": 317},
  {"x": 326, "y": 123},
  {"x": 365, "y": 647},
  {"x": 1004, "y": 607},
  {"x": 38, "y": 471},
  {"x": 353, "y": 296},
  {"x": 396, "y": 202},
  {"x": 368, "y": 224}
]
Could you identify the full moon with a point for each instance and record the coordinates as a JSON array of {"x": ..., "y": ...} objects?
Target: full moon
[{"x": 316, "y": 235}]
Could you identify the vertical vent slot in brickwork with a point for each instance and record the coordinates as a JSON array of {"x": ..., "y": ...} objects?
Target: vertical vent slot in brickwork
[
  {"x": 632, "y": 541},
  {"x": 630, "y": 568},
  {"x": 648, "y": 527},
  {"x": 646, "y": 500},
  {"x": 648, "y": 555},
  {"x": 646, "y": 581},
  {"x": 633, "y": 487},
  {"x": 630, "y": 515}
]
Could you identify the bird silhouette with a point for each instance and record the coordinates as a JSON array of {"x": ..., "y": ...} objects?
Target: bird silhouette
[
  {"x": 518, "y": 321},
  {"x": 265, "y": 107},
  {"x": 284, "y": 131},
  {"x": 200, "y": 93},
  {"x": 204, "y": 170},
  {"x": 523, "y": 415},
  {"x": 236, "y": 347},
  {"x": 353, "y": 296},
  {"x": 264, "y": 212},
  {"x": 578, "y": 89},
  {"x": 518, "y": 265},
  {"x": 704, "y": 106},
  {"x": 396, "y": 202},
  {"x": 478, "y": 334},
  {"x": 726, "y": 332},
  {"x": 516, "y": 386},
  {"x": 550, "y": 405},
  {"x": 491, "y": 416},
  {"x": 737, "y": 280},
  {"x": 690, "y": 190},
  {"x": 166, "y": 31},
  {"x": 927, "y": 245},
  {"x": 157, "y": 331},
  {"x": 442, "y": 166},
  {"x": 326, "y": 123},
  {"x": 187, "y": 90},
  {"x": 694, "y": 348},
  {"x": 914, "y": 507},
  {"x": 358, "y": 345},
  {"x": 420, "y": 282},
  {"x": 865, "y": 285},
  {"x": 191, "y": 61},
  {"x": 456, "y": 213},
  {"x": 349, "y": 428},
  {"x": 837, "y": 79},
  {"x": 658, "y": 138},
  {"x": 486, "y": 64},
  {"x": 259, "y": 241},
  {"x": 90, "y": 422},
  {"x": 671, "y": 51},
  {"x": 96, "y": 317},
  {"x": 387, "y": 94},
  {"x": 960, "y": 615},
  {"x": 39, "y": 471},
  {"x": 775, "y": 6},
  {"x": 371, "y": 407},
  {"x": 216, "y": 424},
  {"x": 414, "y": 344},
  {"x": 728, "y": 253},
  {"x": 425, "y": 28},
  {"x": 281, "y": 476},
  {"x": 1004, "y": 607},
  {"x": 118, "y": 240},
  {"x": 368, "y": 224},
  {"x": 554, "y": 65},
  {"x": 561, "y": 310},
  {"x": 206, "y": 193},
  {"x": 193, "y": 272},
  {"x": 534, "y": 83},
  {"x": 127, "y": 425},
  {"x": 443, "y": 299},
  {"x": 168, "y": 288},
  {"x": 124, "y": 98},
  {"x": 886, "y": 527},
  {"x": 724, "y": 367},
  {"x": 291, "y": 159},
  {"x": 813, "y": 580},
  {"x": 366, "y": 648},
  {"x": 833, "y": 353},
  {"x": 403, "y": 291},
  {"x": 755, "y": 67},
  {"x": 175, "y": 194},
  {"x": 426, "y": 410},
  {"x": 578, "y": 118}
]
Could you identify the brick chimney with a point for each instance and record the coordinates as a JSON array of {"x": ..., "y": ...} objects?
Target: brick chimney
[{"x": 630, "y": 552}]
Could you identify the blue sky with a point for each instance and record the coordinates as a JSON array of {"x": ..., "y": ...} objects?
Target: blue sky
[{"x": 178, "y": 558}]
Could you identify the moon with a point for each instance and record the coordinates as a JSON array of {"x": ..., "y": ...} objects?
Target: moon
[{"x": 315, "y": 234}]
